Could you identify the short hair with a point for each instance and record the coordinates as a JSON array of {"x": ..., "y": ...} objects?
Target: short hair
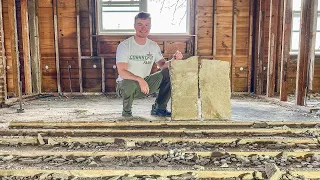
[{"x": 142, "y": 15}]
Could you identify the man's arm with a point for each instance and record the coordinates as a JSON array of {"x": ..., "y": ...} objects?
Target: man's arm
[
  {"x": 125, "y": 74},
  {"x": 163, "y": 64}
]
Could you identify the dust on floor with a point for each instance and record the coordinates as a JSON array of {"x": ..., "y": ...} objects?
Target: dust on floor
[{"x": 108, "y": 108}]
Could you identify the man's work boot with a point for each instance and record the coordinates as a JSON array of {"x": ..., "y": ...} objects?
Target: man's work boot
[
  {"x": 126, "y": 114},
  {"x": 160, "y": 112}
]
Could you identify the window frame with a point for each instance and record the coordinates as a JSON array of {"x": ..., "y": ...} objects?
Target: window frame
[
  {"x": 143, "y": 4},
  {"x": 296, "y": 13}
]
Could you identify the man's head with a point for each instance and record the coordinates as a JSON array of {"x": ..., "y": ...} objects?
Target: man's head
[{"x": 142, "y": 24}]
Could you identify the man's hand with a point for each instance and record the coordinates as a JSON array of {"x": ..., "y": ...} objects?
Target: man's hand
[
  {"x": 178, "y": 55},
  {"x": 143, "y": 86}
]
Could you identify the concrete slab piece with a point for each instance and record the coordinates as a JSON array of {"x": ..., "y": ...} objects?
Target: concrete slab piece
[
  {"x": 215, "y": 92},
  {"x": 184, "y": 93}
]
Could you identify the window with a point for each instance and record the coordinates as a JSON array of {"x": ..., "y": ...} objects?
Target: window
[
  {"x": 168, "y": 17},
  {"x": 296, "y": 9}
]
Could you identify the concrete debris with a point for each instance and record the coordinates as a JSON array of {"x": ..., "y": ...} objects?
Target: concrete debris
[
  {"x": 40, "y": 139},
  {"x": 272, "y": 171},
  {"x": 52, "y": 142},
  {"x": 260, "y": 125},
  {"x": 247, "y": 176}
]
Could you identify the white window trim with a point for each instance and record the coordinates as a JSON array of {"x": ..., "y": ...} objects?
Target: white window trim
[
  {"x": 143, "y": 7},
  {"x": 296, "y": 51}
]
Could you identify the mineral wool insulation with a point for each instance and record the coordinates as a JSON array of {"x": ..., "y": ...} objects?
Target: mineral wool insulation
[{"x": 200, "y": 94}]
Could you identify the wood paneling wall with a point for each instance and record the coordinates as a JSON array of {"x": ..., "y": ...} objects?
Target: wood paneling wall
[{"x": 229, "y": 22}]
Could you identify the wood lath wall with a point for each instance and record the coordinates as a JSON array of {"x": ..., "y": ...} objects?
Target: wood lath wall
[{"x": 236, "y": 31}]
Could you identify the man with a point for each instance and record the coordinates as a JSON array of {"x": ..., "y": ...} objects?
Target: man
[{"x": 135, "y": 57}]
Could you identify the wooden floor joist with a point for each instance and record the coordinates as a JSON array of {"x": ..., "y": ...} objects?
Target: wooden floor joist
[
  {"x": 146, "y": 153},
  {"x": 99, "y": 173},
  {"x": 28, "y": 140},
  {"x": 102, "y": 173},
  {"x": 157, "y": 132},
  {"x": 159, "y": 124}
]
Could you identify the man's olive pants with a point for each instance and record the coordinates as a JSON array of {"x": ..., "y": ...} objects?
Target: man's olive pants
[{"x": 159, "y": 81}]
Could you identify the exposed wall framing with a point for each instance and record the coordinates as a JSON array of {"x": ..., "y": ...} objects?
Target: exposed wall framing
[
  {"x": 14, "y": 47},
  {"x": 26, "y": 46},
  {"x": 260, "y": 49},
  {"x": 305, "y": 47},
  {"x": 279, "y": 46},
  {"x": 3, "y": 87},
  {"x": 272, "y": 49},
  {"x": 313, "y": 29},
  {"x": 235, "y": 13},
  {"x": 250, "y": 44},
  {"x": 285, "y": 55},
  {"x": 73, "y": 58},
  {"x": 56, "y": 42},
  {"x": 34, "y": 46},
  {"x": 214, "y": 29},
  {"x": 79, "y": 45}
]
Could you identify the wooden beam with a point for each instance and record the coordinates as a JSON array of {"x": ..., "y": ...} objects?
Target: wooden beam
[
  {"x": 3, "y": 62},
  {"x": 279, "y": 45},
  {"x": 259, "y": 64},
  {"x": 79, "y": 45},
  {"x": 14, "y": 46},
  {"x": 234, "y": 43},
  {"x": 34, "y": 46},
  {"x": 103, "y": 75},
  {"x": 304, "y": 50},
  {"x": 251, "y": 29},
  {"x": 214, "y": 29},
  {"x": 255, "y": 49},
  {"x": 285, "y": 55},
  {"x": 196, "y": 28},
  {"x": 90, "y": 27},
  {"x": 272, "y": 49},
  {"x": 26, "y": 47},
  {"x": 313, "y": 33},
  {"x": 56, "y": 43}
]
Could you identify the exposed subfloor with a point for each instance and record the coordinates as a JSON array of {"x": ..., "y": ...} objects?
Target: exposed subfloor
[{"x": 108, "y": 108}]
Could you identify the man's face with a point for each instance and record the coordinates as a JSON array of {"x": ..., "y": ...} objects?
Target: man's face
[{"x": 142, "y": 27}]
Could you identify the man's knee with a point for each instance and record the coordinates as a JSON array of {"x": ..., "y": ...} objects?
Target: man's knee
[{"x": 128, "y": 87}]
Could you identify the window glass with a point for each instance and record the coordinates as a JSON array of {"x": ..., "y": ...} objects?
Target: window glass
[
  {"x": 296, "y": 23},
  {"x": 118, "y": 21},
  {"x": 168, "y": 17},
  {"x": 295, "y": 41},
  {"x": 117, "y": 16}
]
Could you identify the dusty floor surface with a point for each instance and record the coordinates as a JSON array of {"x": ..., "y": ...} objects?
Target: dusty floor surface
[{"x": 108, "y": 108}]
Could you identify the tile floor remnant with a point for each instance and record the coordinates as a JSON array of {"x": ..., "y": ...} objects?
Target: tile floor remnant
[
  {"x": 215, "y": 92},
  {"x": 184, "y": 81}
]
